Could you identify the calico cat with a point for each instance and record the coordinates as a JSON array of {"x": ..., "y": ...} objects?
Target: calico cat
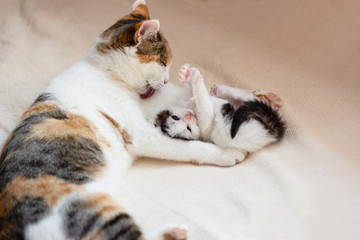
[
  {"x": 61, "y": 167},
  {"x": 231, "y": 117}
]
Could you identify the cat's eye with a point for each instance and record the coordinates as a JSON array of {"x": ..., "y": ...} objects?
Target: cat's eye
[
  {"x": 176, "y": 118},
  {"x": 189, "y": 129}
]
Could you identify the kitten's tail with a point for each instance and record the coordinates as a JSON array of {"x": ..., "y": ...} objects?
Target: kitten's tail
[{"x": 263, "y": 113}]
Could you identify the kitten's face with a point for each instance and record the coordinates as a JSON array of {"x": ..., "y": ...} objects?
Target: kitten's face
[
  {"x": 139, "y": 54},
  {"x": 178, "y": 123}
]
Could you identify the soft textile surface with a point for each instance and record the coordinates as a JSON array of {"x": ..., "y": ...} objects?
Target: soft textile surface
[{"x": 307, "y": 187}]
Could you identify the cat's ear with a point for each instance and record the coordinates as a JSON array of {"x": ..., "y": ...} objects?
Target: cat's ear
[
  {"x": 140, "y": 9},
  {"x": 146, "y": 28}
]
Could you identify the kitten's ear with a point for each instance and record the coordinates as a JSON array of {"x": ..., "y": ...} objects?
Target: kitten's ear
[
  {"x": 146, "y": 28},
  {"x": 140, "y": 9}
]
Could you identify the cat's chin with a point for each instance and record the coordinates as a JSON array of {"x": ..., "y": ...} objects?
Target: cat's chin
[{"x": 150, "y": 91}]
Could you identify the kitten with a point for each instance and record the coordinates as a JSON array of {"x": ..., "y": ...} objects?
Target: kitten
[
  {"x": 231, "y": 117},
  {"x": 61, "y": 168},
  {"x": 178, "y": 123}
]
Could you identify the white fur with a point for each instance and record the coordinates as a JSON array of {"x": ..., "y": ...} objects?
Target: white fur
[{"x": 50, "y": 227}]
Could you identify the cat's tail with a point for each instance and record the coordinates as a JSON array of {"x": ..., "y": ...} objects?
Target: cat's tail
[{"x": 261, "y": 112}]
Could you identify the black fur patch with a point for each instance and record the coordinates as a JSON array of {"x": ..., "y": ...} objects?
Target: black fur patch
[
  {"x": 79, "y": 219},
  {"x": 43, "y": 98},
  {"x": 263, "y": 113},
  {"x": 121, "y": 227},
  {"x": 161, "y": 120},
  {"x": 227, "y": 111},
  {"x": 28, "y": 210}
]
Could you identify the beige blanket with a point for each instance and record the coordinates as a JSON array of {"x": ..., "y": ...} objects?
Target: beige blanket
[{"x": 307, "y": 187}]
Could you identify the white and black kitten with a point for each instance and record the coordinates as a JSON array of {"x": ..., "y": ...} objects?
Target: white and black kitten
[{"x": 230, "y": 117}]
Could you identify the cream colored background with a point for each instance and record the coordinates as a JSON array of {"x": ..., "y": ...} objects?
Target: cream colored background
[{"x": 307, "y": 187}]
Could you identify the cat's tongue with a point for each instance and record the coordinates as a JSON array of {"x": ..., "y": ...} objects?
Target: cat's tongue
[{"x": 148, "y": 94}]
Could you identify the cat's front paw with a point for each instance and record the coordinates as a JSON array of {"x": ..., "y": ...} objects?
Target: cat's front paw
[
  {"x": 184, "y": 73},
  {"x": 269, "y": 97},
  {"x": 238, "y": 155}
]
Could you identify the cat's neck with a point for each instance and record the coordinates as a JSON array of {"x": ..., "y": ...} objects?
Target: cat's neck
[{"x": 111, "y": 65}]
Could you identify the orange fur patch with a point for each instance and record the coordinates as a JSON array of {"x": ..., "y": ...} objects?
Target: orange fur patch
[
  {"x": 74, "y": 125},
  {"x": 51, "y": 188},
  {"x": 142, "y": 10},
  {"x": 125, "y": 136},
  {"x": 105, "y": 205},
  {"x": 148, "y": 58},
  {"x": 39, "y": 108}
]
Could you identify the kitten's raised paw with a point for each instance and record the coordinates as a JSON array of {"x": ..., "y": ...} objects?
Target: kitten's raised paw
[
  {"x": 184, "y": 73},
  {"x": 269, "y": 97},
  {"x": 195, "y": 76}
]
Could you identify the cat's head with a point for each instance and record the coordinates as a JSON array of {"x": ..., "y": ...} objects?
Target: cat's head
[
  {"x": 134, "y": 51},
  {"x": 178, "y": 123}
]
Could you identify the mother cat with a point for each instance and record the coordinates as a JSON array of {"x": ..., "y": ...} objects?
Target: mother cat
[{"x": 61, "y": 166}]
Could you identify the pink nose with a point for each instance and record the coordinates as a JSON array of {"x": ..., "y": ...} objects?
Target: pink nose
[{"x": 188, "y": 116}]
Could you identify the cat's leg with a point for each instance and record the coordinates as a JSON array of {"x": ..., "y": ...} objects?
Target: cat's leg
[
  {"x": 204, "y": 107},
  {"x": 169, "y": 232},
  {"x": 148, "y": 141}
]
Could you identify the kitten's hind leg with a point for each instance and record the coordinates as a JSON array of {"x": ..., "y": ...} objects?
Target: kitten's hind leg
[
  {"x": 231, "y": 93},
  {"x": 237, "y": 95},
  {"x": 169, "y": 232}
]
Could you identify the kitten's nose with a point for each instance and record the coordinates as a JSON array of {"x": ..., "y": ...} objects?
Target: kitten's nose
[{"x": 188, "y": 116}]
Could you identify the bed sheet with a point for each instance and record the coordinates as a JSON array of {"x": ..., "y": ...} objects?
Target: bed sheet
[{"x": 308, "y": 52}]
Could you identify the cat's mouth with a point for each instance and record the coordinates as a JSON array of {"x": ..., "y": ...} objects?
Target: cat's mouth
[{"x": 149, "y": 92}]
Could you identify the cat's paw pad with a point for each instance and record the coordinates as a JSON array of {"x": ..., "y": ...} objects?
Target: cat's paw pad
[
  {"x": 176, "y": 233},
  {"x": 269, "y": 97},
  {"x": 213, "y": 90},
  {"x": 184, "y": 73},
  {"x": 195, "y": 76}
]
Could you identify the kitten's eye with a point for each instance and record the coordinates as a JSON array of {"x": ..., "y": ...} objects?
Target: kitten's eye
[
  {"x": 189, "y": 129},
  {"x": 176, "y": 118}
]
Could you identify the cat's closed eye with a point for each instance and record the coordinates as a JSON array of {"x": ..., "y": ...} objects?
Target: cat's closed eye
[
  {"x": 176, "y": 118},
  {"x": 189, "y": 129}
]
